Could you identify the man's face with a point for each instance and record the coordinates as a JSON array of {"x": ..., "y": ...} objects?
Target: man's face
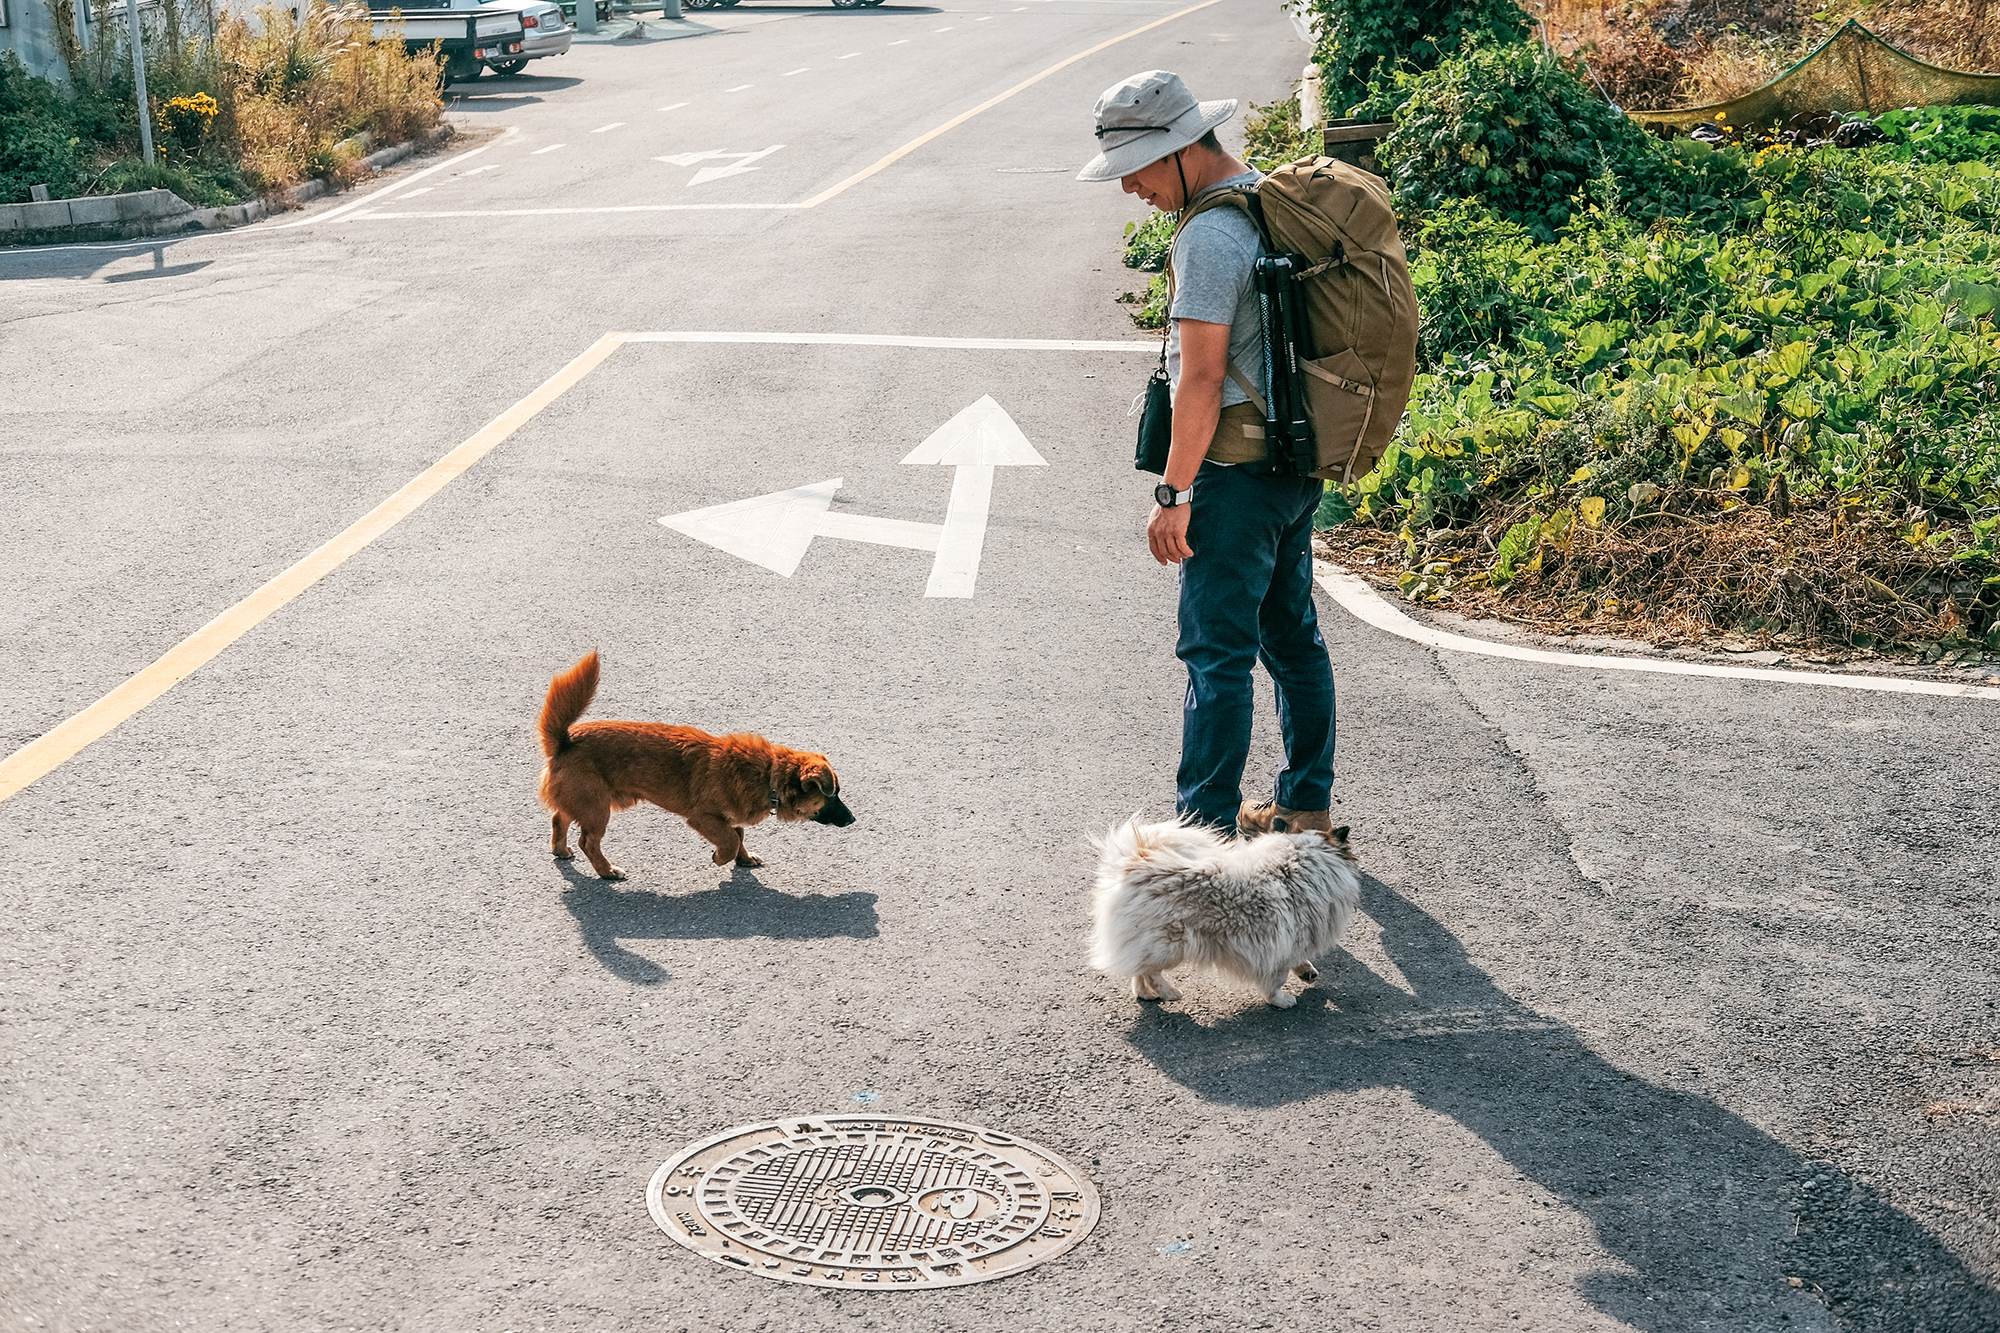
[{"x": 1158, "y": 183}]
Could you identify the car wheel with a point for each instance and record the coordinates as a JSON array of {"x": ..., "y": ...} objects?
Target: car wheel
[
  {"x": 846, "y": 4},
  {"x": 509, "y": 67},
  {"x": 460, "y": 70}
]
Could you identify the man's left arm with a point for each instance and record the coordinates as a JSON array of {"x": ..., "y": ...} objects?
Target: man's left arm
[{"x": 1197, "y": 407}]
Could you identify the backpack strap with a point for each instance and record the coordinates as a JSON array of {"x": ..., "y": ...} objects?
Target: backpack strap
[
  {"x": 1221, "y": 196},
  {"x": 1243, "y": 383}
]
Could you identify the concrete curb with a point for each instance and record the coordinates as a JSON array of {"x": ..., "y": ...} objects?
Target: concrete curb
[{"x": 122, "y": 217}]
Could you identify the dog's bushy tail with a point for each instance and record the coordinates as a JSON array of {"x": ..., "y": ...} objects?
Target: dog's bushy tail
[{"x": 569, "y": 694}]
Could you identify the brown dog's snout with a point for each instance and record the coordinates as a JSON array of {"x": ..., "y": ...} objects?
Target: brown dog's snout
[{"x": 834, "y": 812}]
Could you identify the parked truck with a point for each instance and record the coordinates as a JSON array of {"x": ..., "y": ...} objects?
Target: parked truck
[{"x": 467, "y": 38}]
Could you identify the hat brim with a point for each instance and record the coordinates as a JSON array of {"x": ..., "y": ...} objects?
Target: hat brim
[{"x": 1142, "y": 150}]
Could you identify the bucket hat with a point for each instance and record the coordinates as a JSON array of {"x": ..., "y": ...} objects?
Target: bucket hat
[{"x": 1146, "y": 118}]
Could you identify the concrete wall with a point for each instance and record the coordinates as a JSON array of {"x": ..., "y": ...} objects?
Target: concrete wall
[{"x": 30, "y": 34}]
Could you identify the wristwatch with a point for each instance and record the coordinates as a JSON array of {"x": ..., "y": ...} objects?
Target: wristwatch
[{"x": 1167, "y": 497}]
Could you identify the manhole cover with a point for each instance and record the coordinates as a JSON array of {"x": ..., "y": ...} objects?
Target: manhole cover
[{"x": 849, "y": 1200}]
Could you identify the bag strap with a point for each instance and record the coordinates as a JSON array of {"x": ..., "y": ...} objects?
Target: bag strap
[
  {"x": 1243, "y": 383},
  {"x": 1219, "y": 196}
]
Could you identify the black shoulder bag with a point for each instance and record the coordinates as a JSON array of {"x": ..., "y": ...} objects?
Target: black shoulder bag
[{"x": 1156, "y": 420}]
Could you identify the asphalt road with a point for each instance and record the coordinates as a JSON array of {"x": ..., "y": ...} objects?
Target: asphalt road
[{"x": 1673, "y": 1005}]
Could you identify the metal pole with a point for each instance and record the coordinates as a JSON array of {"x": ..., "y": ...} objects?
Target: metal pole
[{"x": 139, "y": 78}]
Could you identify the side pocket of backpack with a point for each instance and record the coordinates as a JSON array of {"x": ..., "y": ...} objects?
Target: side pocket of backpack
[{"x": 1341, "y": 400}]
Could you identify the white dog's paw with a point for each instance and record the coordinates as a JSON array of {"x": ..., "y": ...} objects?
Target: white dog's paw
[
  {"x": 1283, "y": 999},
  {"x": 1306, "y": 972},
  {"x": 1165, "y": 989}
]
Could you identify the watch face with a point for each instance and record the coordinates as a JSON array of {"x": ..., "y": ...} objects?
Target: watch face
[{"x": 1164, "y": 495}]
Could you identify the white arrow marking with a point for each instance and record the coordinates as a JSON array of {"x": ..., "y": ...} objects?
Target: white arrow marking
[
  {"x": 982, "y": 433},
  {"x": 770, "y": 530},
  {"x": 738, "y": 162},
  {"x": 773, "y": 531}
]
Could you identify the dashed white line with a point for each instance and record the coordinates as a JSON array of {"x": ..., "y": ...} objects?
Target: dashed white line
[
  {"x": 476, "y": 170},
  {"x": 850, "y": 55},
  {"x": 739, "y": 87},
  {"x": 612, "y": 126},
  {"x": 945, "y": 28},
  {"x": 675, "y": 107},
  {"x": 425, "y": 189},
  {"x": 550, "y": 149},
  {"x": 904, "y": 42},
  {"x": 800, "y": 70}
]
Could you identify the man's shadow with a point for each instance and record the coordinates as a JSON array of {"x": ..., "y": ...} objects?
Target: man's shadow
[
  {"x": 1713, "y": 1215},
  {"x": 741, "y": 908}
]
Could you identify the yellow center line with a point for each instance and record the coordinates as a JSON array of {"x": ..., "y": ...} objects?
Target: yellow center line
[
  {"x": 43, "y": 755},
  {"x": 960, "y": 119}
]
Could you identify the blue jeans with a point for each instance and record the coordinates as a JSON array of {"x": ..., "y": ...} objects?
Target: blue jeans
[{"x": 1246, "y": 594}]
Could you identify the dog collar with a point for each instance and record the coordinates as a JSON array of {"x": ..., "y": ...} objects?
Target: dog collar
[{"x": 774, "y": 800}]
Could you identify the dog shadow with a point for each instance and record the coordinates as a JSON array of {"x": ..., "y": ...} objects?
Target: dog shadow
[
  {"x": 741, "y": 908},
  {"x": 1713, "y": 1216}
]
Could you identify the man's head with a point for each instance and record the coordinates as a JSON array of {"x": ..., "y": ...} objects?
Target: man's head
[{"x": 1158, "y": 142}]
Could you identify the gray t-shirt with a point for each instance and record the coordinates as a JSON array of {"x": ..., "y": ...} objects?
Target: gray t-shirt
[{"x": 1212, "y": 262}]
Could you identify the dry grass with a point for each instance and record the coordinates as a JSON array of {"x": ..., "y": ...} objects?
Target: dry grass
[
  {"x": 1811, "y": 580},
  {"x": 1663, "y": 53},
  {"x": 1957, "y": 34},
  {"x": 292, "y": 90},
  {"x": 1620, "y": 42}
]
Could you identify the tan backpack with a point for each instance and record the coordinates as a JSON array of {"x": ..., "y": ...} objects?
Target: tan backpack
[{"x": 1360, "y": 307}]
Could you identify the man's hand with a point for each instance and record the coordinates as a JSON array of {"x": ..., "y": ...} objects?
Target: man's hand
[{"x": 1166, "y": 533}]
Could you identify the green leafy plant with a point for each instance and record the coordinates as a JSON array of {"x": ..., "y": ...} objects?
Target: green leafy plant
[
  {"x": 1514, "y": 128},
  {"x": 1786, "y": 423},
  {"x": 1364, "y": 43}
]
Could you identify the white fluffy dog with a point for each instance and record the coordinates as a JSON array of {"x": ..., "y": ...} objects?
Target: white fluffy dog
[{"x": 1258, "y": 909}]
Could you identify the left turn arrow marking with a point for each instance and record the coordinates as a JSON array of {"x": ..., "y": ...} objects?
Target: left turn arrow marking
[{"x": 770, "y": 530}]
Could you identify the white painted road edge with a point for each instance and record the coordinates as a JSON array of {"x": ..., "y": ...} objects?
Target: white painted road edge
[
  {"x": 377, "y": 196},
  {"x": 1363, "y": 602}
]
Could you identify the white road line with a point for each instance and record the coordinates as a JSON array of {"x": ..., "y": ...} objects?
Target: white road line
[
  {"x": 569, "y": 212},
  {"x": 675, "y": 107},
  {"x": 421, "y": 189},
  {"x": 491, "y": 166},
  {"x": 1366, "y": 604},
  {"x": 739, "y": 87},
  {"x": 550, "y": 149},
  {"x": 945, "y": 28},
  {"x": 1150, "y": 346},
  {"x": 850, "y": 55},
  {"x": 612, "y": 126},
  {"x": 904, "y": 42},
  {"x": 984, "y": 18},
  {"x": 382, "y": 194},
  {"x": 800, "y": 70}
]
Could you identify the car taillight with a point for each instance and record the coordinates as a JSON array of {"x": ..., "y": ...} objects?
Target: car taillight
[{"x": 530, "y": 21}]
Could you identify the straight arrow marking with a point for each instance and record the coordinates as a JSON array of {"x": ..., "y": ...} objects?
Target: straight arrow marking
[{"x": 957, "y": 566}]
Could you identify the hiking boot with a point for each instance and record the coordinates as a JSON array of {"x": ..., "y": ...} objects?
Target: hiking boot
[{"x": 1270, "y": 817}]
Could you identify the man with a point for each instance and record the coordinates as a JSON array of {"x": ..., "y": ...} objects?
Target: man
[{"x": 1240, "y": 533}]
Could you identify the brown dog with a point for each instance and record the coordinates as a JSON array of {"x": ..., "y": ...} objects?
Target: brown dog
[{"x": 719, "y": 784}]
